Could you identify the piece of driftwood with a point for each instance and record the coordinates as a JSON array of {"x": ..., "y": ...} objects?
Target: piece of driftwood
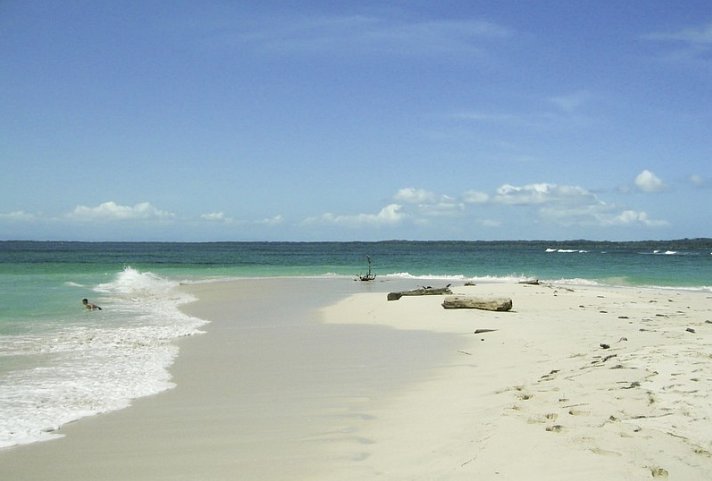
[
  {"x": 471, "y": 302},
  {"x": 424, "y": 291}
]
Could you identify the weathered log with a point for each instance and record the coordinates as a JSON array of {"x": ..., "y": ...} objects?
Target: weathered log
[
  {"x": 470, "y": 302},
  {"x": 425, "y": 291}
]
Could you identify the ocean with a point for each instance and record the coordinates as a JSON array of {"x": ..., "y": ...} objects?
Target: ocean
[{"x": 60, "y": 362}]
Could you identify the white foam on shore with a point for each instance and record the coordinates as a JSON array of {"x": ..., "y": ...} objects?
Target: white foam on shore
[
  {"x": 458, "y": 277},
  {"x": 96, "y": 363}
]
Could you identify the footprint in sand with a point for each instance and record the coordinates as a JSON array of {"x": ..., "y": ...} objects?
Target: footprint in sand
[
  {"x": 658, "y": 472},
  {"x": 578, "y": 412},
  {"x": 544, "y": 419},
  {"x": 556, "y": 428},
  {"x": 702, "y": 452},
  {"x": 605, "y": 452},
  {"x": 550, "y": 375},
  {"x": 525, "y": 396},
  {"x": 522, "y": 394}
]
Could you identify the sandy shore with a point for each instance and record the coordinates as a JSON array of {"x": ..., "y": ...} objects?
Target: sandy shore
[{"x": 576, "y": 382}]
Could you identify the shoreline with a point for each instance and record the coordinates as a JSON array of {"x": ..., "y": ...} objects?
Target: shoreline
[
  {"x": 259, "y": 397},
  {"x": 325, "y": 379}
]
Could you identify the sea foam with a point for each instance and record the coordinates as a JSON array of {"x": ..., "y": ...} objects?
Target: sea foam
[{"x": 95, "y": 363}]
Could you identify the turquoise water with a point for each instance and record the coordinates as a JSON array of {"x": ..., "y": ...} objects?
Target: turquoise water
[{"x": 60, "y": 362}]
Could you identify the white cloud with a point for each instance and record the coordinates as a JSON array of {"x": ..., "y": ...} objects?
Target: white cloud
[
  {"x": 592, "y": 214},
  {"x": 18, "y": 215},
  {"x": 475, "y": 197},
  {"x": 111, "y": 211},
  {"x": 541, "y": 193},
  {"x": 275, "y": 220},
  {"x": 538, "y": 203},
  {"x": 215, "y": 217},
  {"x": 411, "y": 195},
  {"x": 220, "y": 217},
  {"x": 389, "y": 215},
  {"x": 646, "y": 181},
  {"x": 445, "y": 207},
  {"x": 570, "y": 205},
  {"x": 565, "y": 205},
  {"x": 428, "y": 203},
  {"x": 632, "y": 217},
  {"x": 601, "y": 215}
]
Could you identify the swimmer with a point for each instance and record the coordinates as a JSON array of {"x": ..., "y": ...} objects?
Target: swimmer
[{"x": 90, "y": 306}]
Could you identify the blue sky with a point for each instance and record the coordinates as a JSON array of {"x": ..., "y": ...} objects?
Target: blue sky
[{"x": 368, "y": 120}]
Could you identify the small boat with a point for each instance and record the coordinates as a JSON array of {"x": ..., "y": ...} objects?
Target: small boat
[{"x": 368, "y": 276}]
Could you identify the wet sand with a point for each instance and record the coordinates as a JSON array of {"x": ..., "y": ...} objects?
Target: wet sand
[{"x": 259, "y": 396}]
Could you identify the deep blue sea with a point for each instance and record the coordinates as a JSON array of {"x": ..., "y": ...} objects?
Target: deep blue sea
[{"x": 60, "y": 362}]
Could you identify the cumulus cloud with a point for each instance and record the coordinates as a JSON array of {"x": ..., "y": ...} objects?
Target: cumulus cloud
[
  {"x": 389, "y": 215},
  {"x": 216, "y": 217},
  {"x": 569, "y": 205},
  {"x": 541, "y": 193},
  {"x": 428, "y": 203},
  {"x": 445, "y": 207},
  {"x": 646, "y": 181},
  {"x": 411, "y": 195},
  {"x": 221, "y": 218},
  {"x": 632, "y": 217},
  {"x": 111, "y": 211},
  {"x": 566, "y": 205}
]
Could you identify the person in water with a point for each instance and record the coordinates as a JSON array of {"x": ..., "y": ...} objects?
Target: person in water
[{"x": 89, "y": 305}]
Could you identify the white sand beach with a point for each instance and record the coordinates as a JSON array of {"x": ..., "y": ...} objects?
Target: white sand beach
[
  {"x": 575, "y": 383},
  {"x": 309, "y": 379}
]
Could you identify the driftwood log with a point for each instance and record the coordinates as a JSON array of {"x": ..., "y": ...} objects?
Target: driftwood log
[
  {"x": 425, "y": 291},
  {"x": 470, "y": 302}
]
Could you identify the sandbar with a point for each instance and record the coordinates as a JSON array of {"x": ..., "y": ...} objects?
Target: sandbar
[{"x": 311, "y": 379}]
